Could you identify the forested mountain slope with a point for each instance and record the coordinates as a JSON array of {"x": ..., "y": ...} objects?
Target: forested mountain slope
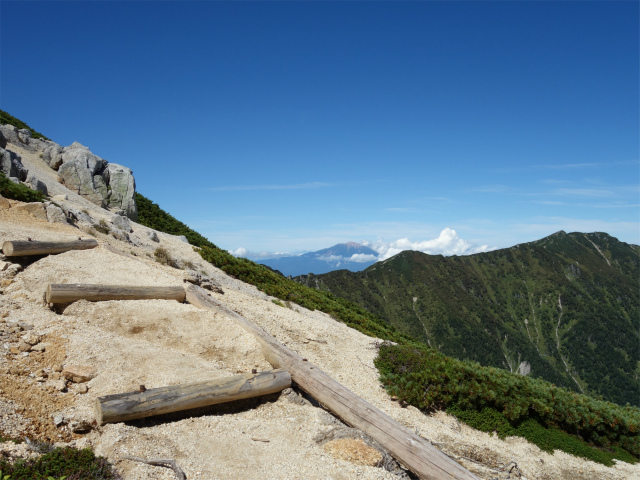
[{"x": 564, "y": 308}]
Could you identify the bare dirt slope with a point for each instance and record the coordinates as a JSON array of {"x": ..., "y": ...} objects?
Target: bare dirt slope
[{"x": 159, "y": 342}]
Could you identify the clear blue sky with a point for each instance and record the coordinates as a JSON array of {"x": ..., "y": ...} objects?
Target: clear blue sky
[{"x": 292, "y": 126}]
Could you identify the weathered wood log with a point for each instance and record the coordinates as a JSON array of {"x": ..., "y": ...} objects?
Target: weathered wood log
[
  {"x": 413, "y": 451},
  {"x": 157, "y": 401},
  {"x": 18, "y": 247},
  {"x": 70, "y": 292}
]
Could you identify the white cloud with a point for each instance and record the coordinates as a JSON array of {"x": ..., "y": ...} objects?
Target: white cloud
[
  {"x": 447, "y": 243},
  {"x": 240, "y": 252},
  {"x": 244, "y": 253},
  {"x": 362, "y": 258},
  {"x": 331, "y": 258}
]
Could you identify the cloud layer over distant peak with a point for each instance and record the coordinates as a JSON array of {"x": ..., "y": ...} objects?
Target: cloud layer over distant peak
[{"x": 447, "y": 243}]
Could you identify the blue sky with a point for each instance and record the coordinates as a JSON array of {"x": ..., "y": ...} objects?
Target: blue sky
[{"x": 292, "y": 126}]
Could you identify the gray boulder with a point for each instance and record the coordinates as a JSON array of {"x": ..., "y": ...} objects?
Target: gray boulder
[
  {"x": 55, "y": 214},
  {"x": 122, "y": 187},
  {"x": 3, "y": 140},
  {"x": 78, "y": 153},
  {"x": 37, "y": 184},
  {"x": 53, "y": 156},
  {"x": 10, "y": 133},
  {"x": 24, "y": 135},
  {"x": 122, "y": 223},
  {"x": 153, "y": 236},
  {"x": 119, "y": 234},
  {"x": 11, "y": 165},
  {"x": 80, "y": 217},
  {"x": 78, "y": 173}
]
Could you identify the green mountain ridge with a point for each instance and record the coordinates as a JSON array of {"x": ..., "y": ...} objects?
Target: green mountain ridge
[{"x": 564, "y": 308}]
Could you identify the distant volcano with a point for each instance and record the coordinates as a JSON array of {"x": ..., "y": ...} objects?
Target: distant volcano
[{"x": 350, "y": 256}]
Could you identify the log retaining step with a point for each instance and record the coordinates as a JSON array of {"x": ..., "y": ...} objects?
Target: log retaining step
[
  {"x": 16, "y": 248},
  {"x": 156, "y": 401},
  {"x": 70, "y": 292}
]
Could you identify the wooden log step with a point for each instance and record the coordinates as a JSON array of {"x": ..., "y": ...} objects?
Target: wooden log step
[
  {"x": 15, "y": 248},
  {"x": 70, "y": 292},
  {"x": 156, "y": 401},
  {"x": 413, "y": 451}
]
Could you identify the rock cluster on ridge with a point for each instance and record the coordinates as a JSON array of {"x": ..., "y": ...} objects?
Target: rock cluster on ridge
[
  {"x": 105, "y": 184},
  {"x": 108, "y": 185}
]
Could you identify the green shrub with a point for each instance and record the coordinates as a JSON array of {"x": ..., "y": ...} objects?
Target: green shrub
[
  {"x": 69, "y": 462},
  {"x": 18, "y": 191},
  {"x": 152, "y": 216},
  {"x": 492, "y": 399},
  {"x": 279, "y": 303}
]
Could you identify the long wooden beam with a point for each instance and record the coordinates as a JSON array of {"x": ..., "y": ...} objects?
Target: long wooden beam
[
  {"x": 413, "y": 451},
  {"x": 157, "y": 401},
  {"x": 70, "y": 292},
  {"x": 18, "y": 247}
]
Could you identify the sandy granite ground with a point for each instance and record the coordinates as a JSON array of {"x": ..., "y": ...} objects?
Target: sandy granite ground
[{"x": 162, "y": 342}]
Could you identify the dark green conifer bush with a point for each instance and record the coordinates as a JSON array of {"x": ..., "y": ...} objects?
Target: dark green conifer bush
[
  {"x": 69, "y": 462},
  {"x": 491, "y": 399},
  {"x": 18, "y": 191}
]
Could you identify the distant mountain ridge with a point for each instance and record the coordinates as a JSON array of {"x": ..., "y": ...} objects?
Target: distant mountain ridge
[
  {"x": 566, "y": 307},
  {"x": 325, "y": 260}
]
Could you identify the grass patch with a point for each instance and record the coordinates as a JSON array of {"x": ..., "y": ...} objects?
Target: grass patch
[
  {"x": 163, "y": 257},
  {"x": 103, "y": 227}
]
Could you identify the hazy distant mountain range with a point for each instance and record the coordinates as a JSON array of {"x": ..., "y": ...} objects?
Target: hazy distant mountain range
[
  {"x": 350, "y": 256},
  {"x": 565, "y": 308}
]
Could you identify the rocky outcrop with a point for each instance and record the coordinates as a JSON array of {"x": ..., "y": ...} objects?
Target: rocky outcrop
[
  {"x": 122, "y": 189},
  {"x": 81, "y": 172},
  {"x": 22, "y": 137},
  {"x": 11, "y": 165},
  {"x": 108, "y": 185},
  {"x": 10, "y": 133},
  {"x": 53, "y": 155}
]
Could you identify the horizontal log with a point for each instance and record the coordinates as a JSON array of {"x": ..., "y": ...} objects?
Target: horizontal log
[
  {"x": 157, "y": 401},
  {"x": 18, "y": 247},
  {"x": 413, "y": 451},
  {"x": 70, "y": 292}
]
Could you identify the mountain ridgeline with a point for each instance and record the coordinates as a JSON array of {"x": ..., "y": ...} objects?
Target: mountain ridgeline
[
  {"x": 352, "y": 256},
  {"x": 565, "y": 308}
]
